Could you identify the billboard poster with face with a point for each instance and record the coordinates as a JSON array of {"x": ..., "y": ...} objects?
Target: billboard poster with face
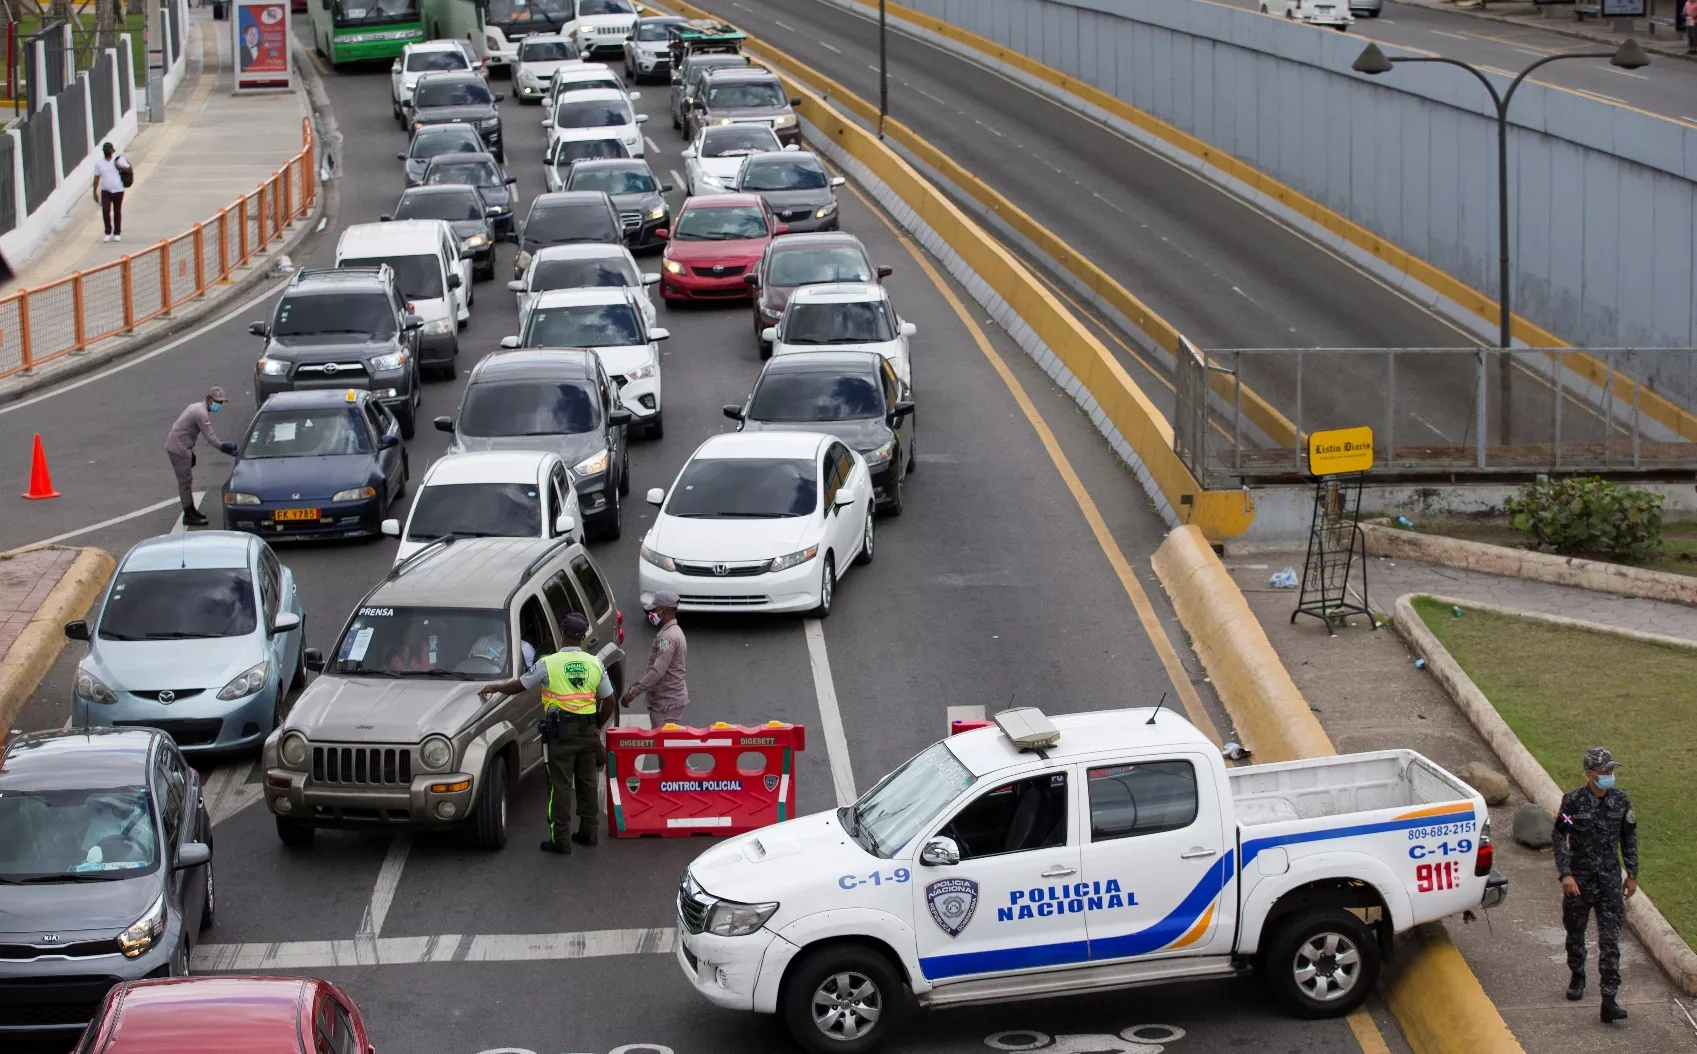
[{"x": 262, "y": 43}]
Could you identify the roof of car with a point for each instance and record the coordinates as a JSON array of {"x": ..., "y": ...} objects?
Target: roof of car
[
  {"x": 653, "y": 20},
  {"x": 780, "y": 157},
  {"x": 839, "y": 293},
  {"x": 594, "y": 294},
  {"x": 742, "y": 73},
  {"x": 469, "y": 76},
  {"x": 433, "y": 45},
  {"x": 493, "y": 466},
  {"x": 816, "y": 240},
  {"x": 426, "y": 190},
  {"x": 535, "y": 364},
  {"x": 825, "y": 362},
  {"x": 986, "y": 750},
  {"x": 717, "y": 58},
  {"x": 335, "y": 279},
  {"x": 592, "y": 95},
  {"x": 589, "y": 71},
  {"x": 562, "y": 198},
  {"x": 312, "y": 398},
  {"x": 85, "y": 758},
  {"x": 391, "y": 238},
  {"x": 239, "y": 1015},
  {"x": 466, "y": 158},
  {"x": 551, "y": 38},
  {"x": 624, "y": 164},
  {"x": 721, "y": 201},
  {"x": 190, "y": 549},
  {"x": 761, "y": 444},
  {"x": 469, "y": 572},
  {"x": 582, "y": 251},
  {"x": 447, "y": 129}
]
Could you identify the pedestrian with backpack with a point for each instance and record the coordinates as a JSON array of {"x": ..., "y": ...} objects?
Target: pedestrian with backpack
[{"x": 112, "y": 176}]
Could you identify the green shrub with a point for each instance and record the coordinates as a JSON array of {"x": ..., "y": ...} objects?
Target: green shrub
[{"x": 1588, "y": 514}]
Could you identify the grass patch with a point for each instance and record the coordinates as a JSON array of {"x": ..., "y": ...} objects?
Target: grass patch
[
  {"x": 1677, "y": 555},
  {"x": 1563, "y": 690}
]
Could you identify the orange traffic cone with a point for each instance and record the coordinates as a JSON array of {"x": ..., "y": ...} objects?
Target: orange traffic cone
[{"x": 40, "y": 483}]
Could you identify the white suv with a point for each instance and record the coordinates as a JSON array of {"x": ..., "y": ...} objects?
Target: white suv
[
  {"x": 540, "y": 56},
  {"x": 491, "y": 494},
  {"x": 429, "y": 56},
  {"x": 610, "y": 321},
  {"x": 595, "y": 113},
  {"x": 844, "y": 316}
]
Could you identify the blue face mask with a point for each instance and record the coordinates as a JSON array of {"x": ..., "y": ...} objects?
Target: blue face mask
[
  {"x": 215, "y": 407},
  {"x": 1606, "y": 780}
]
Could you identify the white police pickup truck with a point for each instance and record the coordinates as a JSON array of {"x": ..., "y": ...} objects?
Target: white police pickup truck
[{"x": 1095, "y": 851}]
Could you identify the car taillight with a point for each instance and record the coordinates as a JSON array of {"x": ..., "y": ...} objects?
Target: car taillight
[
  {"x": 620, "y": 622},
  {"x": 1482, "y": 862}
]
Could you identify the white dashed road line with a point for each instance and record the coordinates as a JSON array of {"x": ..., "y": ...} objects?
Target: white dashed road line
[
  {"x": 829, "y": 47},
  {"x": 179, "y": 527},
  {"x": 650, "y": 143},
  {"x": 679, "y": 181},
  {"x": 441, "y": 948},
  {"x": 830, "y": 718},
  {"x": 103, "y": 524},
  {"x": 780, "y": 25},
  {"x": 383, "y": 894}
]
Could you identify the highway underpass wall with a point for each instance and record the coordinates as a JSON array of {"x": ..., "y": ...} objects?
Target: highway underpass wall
[{"x": 1604, "y": 197}]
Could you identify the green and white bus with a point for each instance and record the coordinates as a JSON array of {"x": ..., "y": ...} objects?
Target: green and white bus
[
  {"x": 346, "y": 31},
  {"x": 495, "y": 27}
]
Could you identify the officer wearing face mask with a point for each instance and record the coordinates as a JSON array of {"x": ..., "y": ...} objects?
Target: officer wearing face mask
[
  {"x": 663, "y": 681},
  {"x": 193, "y": 424},
  {"x": 1595, "y": 833}
]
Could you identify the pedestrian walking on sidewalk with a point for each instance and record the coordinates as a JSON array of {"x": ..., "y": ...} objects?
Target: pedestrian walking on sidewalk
[
  {"x": 194, "y": 422},
  {"x": 1690, "y": 11},
  {"x": 1595, "y": 833},
  {"x": 663, "y": 681},
  {"x": 112, "y": 174}
]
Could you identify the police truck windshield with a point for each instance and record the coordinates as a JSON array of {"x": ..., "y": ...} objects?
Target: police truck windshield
[
  {"x": 455, "y": 643},
  {"x": 903, "y": 803}
]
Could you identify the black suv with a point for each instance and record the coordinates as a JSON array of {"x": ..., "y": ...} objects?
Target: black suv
[
  {"x": 487, "y": 175},
  {"x": 566, "y": 217},
  {"x": 465, "y": 208},
  {"x": 638, "y": 197},
  {"x": 343, "y": 327},
  {"x": 686, "y": 80},
  {"x": 457, "y": 98},
  {"x": 559, "y": 401}
]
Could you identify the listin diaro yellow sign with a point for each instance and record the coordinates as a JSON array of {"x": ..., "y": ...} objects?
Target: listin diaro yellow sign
[{"x": 1340, "y": 450}]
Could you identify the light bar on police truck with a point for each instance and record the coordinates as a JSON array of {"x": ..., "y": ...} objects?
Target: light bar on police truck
[{"x": 1028, "y": 728}]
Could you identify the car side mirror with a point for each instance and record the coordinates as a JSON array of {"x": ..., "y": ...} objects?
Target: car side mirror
[
  {"x": 191, "y": 854},
  {"x": 564, "y": 523},
  {"x": 284, "y": 622},
  {"x": 547, "y": 122},
  {"x": 940, "y": 852},
  {"x": 659, "y": 334},
  {"x": 395, "y": 67},
  {"x": 390, "y": 528},
  {"x": 783, "y": 228},
  {"x": 733, "y": 411},
  {"x": 656, "y": 496},
  {"x": 516, "y": 286},
  {"x": 885, "y": 270},
  {"x": 769, "y": 334},
  {"x": 843, "y": 498},
  {"x": 511, "y": 181},
  {"x": 837, "y": 181},
  {"x": 641, "y": 118},
  {"x": 500, "y": 95},
  {"x": 901, "y": 409},
  {"x": 665, "y": 188},
  {"x": 688, "y": 153},
  {"x": 77, "y": 630},
  {"x": 491, "y": 212},
  {"x": 619, "y": 417},
  {"x": 650, "y": 278},
  {"x": 389, "y": 442},
  {"x": 402, "y": 156},
  {"x": 509, "y": 342},
  {"x": 258, "y": 328},
  {"x": 414, "y": 321},
  {"x": 909, "y": 329},
  {"x": 664, "y": 234},
  {"x": 454, "y": 281},
  {"x": 792, "y": 147},
  {"x": 314, "y": 660},
  {"x": 444, "y": 424},
  {"x": 751, "y": 279},
  {"x": 385, "y": 218},
  {"x": 633, "y": 96},
  {"x": 796, "y": 101}
]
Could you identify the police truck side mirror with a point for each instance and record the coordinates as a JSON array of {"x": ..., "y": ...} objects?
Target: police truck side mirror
[{"x": 940, "y": 852}]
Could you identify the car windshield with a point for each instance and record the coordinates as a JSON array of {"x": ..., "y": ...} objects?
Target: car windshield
[
  {"x": 592, "y": 113},
  {"x": 76, "y": 835},
  {"x": 307, "y": 433},
  {"x": 373, "y": 12},
  {"x": 434, "y": 61},
  {"x": 582, "y": 326},
  {"x": 568, "y": 151},
  {"x": 433, "y": 92},
  {"x": 559, "y": 224},
  {"x": 366, "y": 315},
  {"x": 744, "y": 488},
  {"x": 652, "y": 31},
  {"x": 860, "y": 322},
  {"x": 902, "y": 804},
  {"x": 521, "y": 12},
  {"x": 574, "y": 78},
  {"x": 529, "y": 408},
  {"x": 735, "y": 142},
  {"x": 793, "y": 267},
  {"x": 464, "y": 206},
  {"x": 604, "y": 7},
  {"x": 802, "y": 173},
  {"x": 471, "y": 173},
  {"x": 763, "y": 95},
  {"x": 579, "y": 274},
  {"x": 416, "y": 277},
  {"x": 615, "y": 180},
  {"x": 486, "y": 510},
  {"x": 720, "y": 223},
  {"x": 452, "y": 139},
  {"x": 179, "y": 603},
  {"x": 458, "y": 643},
  {"x": 812, "y": 396},
  {"x": 546, "y": 51}
]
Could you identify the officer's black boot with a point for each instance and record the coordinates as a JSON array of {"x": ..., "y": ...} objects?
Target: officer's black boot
[
  {"x": 562, "y": 848},
  {"x": 585, "y": 838},
  {"x": 194, "y": 518},
  {"x": 1612, "y": 1011},
  {"x": 1576, "y": 987}
]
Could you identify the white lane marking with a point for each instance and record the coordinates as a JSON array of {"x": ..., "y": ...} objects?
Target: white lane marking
[
  {"x": 1624, "y": 73},
  {"x": 179, "y": 527},
  {"x": 993, "y": 132},
  {"x": 227, "y": 791},
  {"x": 441, "y": 948},
  {"x": 103, "y": 524},
  {"x": 650, "y": 144},
  {"x": 1452, "y": 36},
  {"x": 679, "y": 182},
  {"x": 1690, "y": 120},
  {"x": 871, "y": 67},
  {"x": 933, "y": 98},
  {"x": 830, "y": 47},
  {"x": 1534, "y": 54},
  {"x": 830, "y": 718},
  {"x": 745, "y": 7},
  {"x": 383, "y": 894},
  {"x": 269, "y": 289},
  {"x": 1600, "y": 95},
  {"x": 780, "y": 25}
]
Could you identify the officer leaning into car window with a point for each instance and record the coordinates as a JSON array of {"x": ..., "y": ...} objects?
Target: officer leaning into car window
[
  {"x": 1594, "y": 822},
  {"x": 194, "y": 423},
  {"x": 576, "y": 692}
]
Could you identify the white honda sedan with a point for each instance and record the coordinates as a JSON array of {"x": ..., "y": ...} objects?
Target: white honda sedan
[
  {"x": 843, "y": 316},
  {"x": 595, "y": 113},
  {"x": 712, "y": 161},
  {"x": 760, "y": 521}
]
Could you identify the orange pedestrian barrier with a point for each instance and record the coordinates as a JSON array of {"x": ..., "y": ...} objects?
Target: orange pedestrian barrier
[
  {"x": 675, "y": 781},
  {"x": 40, "y": 483}
]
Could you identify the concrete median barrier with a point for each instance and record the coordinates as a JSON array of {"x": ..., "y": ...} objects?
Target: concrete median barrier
[{"x": 38, "y": 644}]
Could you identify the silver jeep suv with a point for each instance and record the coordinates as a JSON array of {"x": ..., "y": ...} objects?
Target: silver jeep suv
[{"x": 393, "y": 732}]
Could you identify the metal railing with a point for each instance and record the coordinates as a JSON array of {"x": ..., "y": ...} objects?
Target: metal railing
[
  {"x": 1442, "y": 413},
  {"x": 40, "y": 324}
]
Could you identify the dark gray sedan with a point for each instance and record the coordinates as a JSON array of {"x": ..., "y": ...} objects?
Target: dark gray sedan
[
  {"x": 796, "y": 187},
  {"x": 465, "y": 207},
  {"x": 434, "y": 140}
]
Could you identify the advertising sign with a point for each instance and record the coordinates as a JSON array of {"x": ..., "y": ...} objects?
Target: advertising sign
[
  {"x": 1340, "y": 450},
  {"x": 1624, "y": 9},
  {"x": 261, "y": 30}
]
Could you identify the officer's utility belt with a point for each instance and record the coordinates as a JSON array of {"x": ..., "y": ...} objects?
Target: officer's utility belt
[{"x": 556, "y": 721}]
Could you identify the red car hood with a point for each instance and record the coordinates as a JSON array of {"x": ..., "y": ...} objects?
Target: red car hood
[{"x": 705, "y": 254}]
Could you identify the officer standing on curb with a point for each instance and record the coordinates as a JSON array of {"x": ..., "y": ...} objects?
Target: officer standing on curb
[
  {"x": 575, "y": 691},
  {"x": 1593, "y": 823},
  {"x": 194, "y": 423},
  {"x": 663, "y": 681}
]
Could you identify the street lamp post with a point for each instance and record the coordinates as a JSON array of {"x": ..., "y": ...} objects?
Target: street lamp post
[
  {"x": 883, "y": 71},
  {"x": 1373, "y": 62}
]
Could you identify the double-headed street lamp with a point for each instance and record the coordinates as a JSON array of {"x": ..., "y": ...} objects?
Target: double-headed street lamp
[{"x": 1373, "y": 62}]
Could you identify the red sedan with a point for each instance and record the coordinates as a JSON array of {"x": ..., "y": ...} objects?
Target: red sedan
[
  {"x": 714, "y": 241},
  {"x": 226, "y": 1015}
]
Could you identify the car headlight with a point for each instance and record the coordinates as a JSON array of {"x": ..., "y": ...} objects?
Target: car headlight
[
  {"x": 592, "y": 465},
  {"x": 784, "y": 563},
  {"x": 435, "y": 753},
  {"x": 786, "y": 121},
  {"x": 881, "y": 456},
  {"x": 245, "y": 684},
  {"x": 658, "y": 559},
  {"x": 492, "y": 42},
  {"x": 292, "y": 750},
  {"x": 489, "y": 122},
  {"x": 500, "y": 210},
  {"x": 236, "y": 497},
  {"x": 437, "y": 327},
  {"x": 722, "y": 120},
  {"x": 476, "y": 241},
  {"x": 94, "y": 689},
  {"x": 727, "y": 918},
  {"x": 395, "y": 359},
  {"x": 139, "y": 935},
  {"x": 642, "y": 373},
  {"x": 273, "y": 367},
  {"x": 354, "y": 494},
  {"x": 527, "y": 77},
  {"x": 673, "y": 267},
  {"x": 824, "y": 210},
  {"x": 657, "y": 212}
]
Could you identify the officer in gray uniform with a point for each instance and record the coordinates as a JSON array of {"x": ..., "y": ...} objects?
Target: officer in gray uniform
[
  {"x": 1595, "y": 833},
  {"x": 663, "y": 681}
]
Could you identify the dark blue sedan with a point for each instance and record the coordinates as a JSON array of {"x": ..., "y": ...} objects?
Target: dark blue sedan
[{"x": 317, "y": 464}]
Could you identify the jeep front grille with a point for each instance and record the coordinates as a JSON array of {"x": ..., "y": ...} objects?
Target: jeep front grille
[{"x": 375, "y": 765}]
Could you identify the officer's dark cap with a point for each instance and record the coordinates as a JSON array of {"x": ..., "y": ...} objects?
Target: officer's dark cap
[
  {"x": 1598, "y": 759},
  {"x": 574, "y": 625}
]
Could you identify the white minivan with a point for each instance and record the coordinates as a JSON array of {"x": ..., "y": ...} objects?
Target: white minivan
[
  {"x": 1334, "y": 13},
  {"x": 431, "y": 273}
]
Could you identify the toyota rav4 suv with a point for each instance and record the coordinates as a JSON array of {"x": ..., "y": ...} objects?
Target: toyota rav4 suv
[{"x": 393, "y": 732}]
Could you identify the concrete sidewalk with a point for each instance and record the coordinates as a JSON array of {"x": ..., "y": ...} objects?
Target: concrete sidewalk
[
  {"x": 40, "y": 590},
  {"x": 212, "y": 148},
  {"x": 1366, "y": 692},
  {"x": 1655, "y": 34}
]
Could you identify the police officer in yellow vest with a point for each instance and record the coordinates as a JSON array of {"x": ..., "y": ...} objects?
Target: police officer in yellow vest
[{"x": 575, "y": 694}]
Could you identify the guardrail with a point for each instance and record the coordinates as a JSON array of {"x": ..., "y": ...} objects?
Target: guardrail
[{"x": 70, "y": 314}]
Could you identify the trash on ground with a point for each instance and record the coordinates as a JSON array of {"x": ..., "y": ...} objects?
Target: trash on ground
[{"x": 1285, "y": 579}]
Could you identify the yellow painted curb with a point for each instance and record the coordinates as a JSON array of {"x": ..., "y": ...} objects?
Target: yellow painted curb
[
  {"x": 33, "y": 653},
  {"x": 1438, "y": 1001}
]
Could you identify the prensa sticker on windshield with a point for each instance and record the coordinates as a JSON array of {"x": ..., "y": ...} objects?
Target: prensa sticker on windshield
[{"x": 377, "y": 612}]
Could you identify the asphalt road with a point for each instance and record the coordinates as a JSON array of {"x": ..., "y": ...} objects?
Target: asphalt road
[{"x": 991, "y": 588}]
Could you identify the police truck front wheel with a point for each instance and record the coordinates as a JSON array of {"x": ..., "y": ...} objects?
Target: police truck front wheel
[
  {"x": 1323, "y": 962},
  {"x": 843, "y": 999}
]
